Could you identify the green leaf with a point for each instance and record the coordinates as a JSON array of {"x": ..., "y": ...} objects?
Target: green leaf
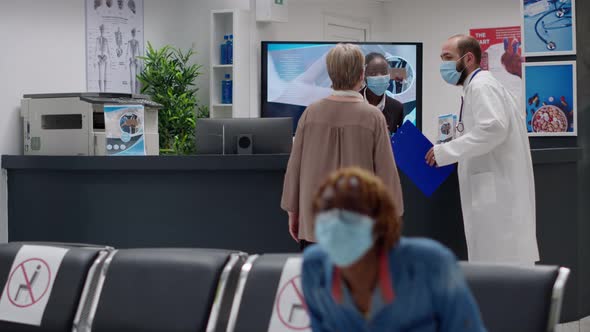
[{"x": 169, "y": 78}]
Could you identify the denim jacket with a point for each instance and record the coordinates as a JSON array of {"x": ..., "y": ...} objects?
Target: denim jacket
[{"x": 422, "y": 290}]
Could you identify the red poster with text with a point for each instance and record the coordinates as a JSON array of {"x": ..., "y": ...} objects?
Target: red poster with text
[{"x": 502, "y": 55}]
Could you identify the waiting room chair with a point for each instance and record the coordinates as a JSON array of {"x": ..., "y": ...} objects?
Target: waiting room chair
[
  {"x": 517, "y": 299},
  {"x": 163, "y": 290},
  {"x": 64, "y": 297},
  {"x": 510, "y": 298},
  {"x": 256, "y": 293}
]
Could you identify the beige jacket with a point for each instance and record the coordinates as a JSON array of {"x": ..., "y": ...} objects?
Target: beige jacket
[{"x": 333, "y": 133}]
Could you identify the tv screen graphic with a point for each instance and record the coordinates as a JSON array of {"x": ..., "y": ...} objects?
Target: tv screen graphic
[{"x": 294, "y": 75}]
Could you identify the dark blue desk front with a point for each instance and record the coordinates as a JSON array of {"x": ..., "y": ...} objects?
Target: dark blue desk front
[{"x": 232, "y": 202}]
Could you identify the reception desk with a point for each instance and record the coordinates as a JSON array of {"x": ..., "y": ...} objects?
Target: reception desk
[
  {"x": 233, "y": 202},
  {"x": 198, "y": 201}
]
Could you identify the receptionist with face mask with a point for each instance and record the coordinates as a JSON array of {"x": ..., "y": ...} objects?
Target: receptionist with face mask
[
  {"x": 363, "y": 276},
  {"x": 377, "y": 82}
]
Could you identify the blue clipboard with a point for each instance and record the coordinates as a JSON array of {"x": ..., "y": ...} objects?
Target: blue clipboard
[{"x": 410, "y": 147}]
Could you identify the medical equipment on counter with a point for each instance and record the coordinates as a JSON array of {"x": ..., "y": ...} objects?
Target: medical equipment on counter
[{"x": 73, "y": 124}]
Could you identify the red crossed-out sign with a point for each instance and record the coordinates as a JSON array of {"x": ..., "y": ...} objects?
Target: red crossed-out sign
[
  {"x": 28, "y": 282},
  {"x": 291, "y": 308}
]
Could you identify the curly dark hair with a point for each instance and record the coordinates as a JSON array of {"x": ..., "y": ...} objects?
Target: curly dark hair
[{"x": 357, "y": 190}]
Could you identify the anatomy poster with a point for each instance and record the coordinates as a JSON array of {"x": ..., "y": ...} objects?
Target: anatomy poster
[
  {"x": 550, "y": 98},
  {"x": 124, "y": 130},
  {"x": 502, "y": 55},
  {"x": 549, "y": 27},
  {"x": 114, "y": 40}
]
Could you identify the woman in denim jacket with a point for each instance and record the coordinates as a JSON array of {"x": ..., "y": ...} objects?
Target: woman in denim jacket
[{"x": 363, "y": 277}]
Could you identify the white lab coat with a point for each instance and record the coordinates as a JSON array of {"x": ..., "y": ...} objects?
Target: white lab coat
[{"x": 495, "y": 174}]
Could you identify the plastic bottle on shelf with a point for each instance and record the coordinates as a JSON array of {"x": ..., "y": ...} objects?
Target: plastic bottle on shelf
[
  {"x": 223, "y": 51},
  {"x": 230, "y": 50},
  {"x": 226, "y": 90}
]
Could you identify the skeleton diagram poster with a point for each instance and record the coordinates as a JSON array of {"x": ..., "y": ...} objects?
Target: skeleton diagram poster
[{"x": 114, "y": 40}]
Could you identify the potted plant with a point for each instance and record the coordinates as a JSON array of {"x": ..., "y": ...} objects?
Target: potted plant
[{"x": 169, "y": 78}]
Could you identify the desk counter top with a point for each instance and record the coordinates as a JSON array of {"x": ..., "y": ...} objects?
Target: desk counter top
[{"x": 210, "y": 162}]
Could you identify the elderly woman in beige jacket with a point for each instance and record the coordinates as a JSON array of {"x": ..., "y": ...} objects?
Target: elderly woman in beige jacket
[{"x": 342, "y": 130}]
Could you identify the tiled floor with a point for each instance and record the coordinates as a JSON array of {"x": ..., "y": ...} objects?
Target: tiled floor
[
  {"x": 581, "y": 326},
  {"x": 569, "y": 327}
]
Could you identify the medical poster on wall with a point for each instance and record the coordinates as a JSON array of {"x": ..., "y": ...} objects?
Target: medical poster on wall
[
  {"x": 502, "y": 55},
  {"x": 550, "y": 98},
  {"x": 549, "y": 27},
  {"x": 114, "y": 40},
  {"x": 124, "y": 130}
]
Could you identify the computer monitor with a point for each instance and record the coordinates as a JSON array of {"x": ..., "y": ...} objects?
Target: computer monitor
[
  {"x": 244, "y": 136},
  {"x": 294, "y": 75}
]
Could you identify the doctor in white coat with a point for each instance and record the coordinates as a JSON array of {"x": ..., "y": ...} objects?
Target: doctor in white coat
[{"x": 495, "y": 167}]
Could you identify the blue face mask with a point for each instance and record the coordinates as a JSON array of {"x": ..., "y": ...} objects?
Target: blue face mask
[
  {"x": 449, "y": 73},
  {"x": 378, "y": 84},
  {"x": 345, "y": 236}
]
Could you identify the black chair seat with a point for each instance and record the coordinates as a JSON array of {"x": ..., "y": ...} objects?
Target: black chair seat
[
  {"x": 67, "y": 289},
  {"x": 159, "y": 290}
]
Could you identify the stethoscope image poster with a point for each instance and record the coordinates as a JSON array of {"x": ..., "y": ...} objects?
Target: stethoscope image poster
[
  {"x": 549, "y": 27},
  {"x": 550, "y": 98}
]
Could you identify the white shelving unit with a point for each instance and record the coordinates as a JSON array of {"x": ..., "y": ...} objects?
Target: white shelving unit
[{"x": 237, "y": 23}]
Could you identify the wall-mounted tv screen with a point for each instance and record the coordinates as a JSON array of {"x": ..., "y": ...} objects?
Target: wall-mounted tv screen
[{"x": 294, "y": 75}]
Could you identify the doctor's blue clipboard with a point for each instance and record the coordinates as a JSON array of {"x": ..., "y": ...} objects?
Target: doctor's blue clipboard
[{"x": 410, "y": 147}]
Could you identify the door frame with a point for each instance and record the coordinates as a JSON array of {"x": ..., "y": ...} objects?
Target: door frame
[{"x": 346, "y": 23}]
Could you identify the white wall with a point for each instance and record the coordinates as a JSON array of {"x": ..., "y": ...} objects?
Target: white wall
[
  {"x": 46, "y": 46},
  {"x": 43, "y": 51},
  {"x": 306, "y": 19},
  {"x": 165, "y": 22},
  {"x": 195, "y": 33},
  {"x": 306, "y": 22},
  {"x": 432, "y": 22},
  {"x": 43, "y": 43}
]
